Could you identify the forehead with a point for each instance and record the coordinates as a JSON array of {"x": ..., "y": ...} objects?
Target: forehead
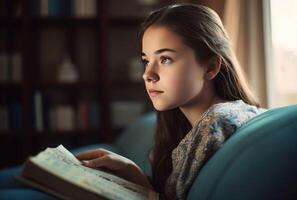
[{"x": 158, "y": 37}]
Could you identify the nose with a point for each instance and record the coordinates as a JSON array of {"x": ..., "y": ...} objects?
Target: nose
[{"x": 150, "y": 76}]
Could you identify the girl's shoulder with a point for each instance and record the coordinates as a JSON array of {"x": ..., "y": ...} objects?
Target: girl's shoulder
[{"x": 237, "y": 112}]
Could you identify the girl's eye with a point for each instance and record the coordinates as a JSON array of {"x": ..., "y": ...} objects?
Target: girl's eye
[
  {"x": 144, "y": 62},
  {"x": 165, "y": 60}
]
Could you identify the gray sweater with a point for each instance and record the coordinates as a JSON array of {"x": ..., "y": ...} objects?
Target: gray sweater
[{"x": 211, "y": 130}]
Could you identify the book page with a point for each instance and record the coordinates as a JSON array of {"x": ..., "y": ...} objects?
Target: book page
[{"x": 60, "y": 162}]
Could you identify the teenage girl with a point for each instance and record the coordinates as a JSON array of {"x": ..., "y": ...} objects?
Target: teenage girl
[{"x": 195, "y": 84}]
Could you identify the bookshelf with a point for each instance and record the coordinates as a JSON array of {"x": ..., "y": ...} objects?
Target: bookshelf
[
  {"x": 69, "y": 73},
  {"x": 52, "y": 66}
]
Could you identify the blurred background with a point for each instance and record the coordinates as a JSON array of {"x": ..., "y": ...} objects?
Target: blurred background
[{"x": 70, "y": 70}]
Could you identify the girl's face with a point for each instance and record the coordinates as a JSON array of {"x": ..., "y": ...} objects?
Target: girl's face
[{"x": 173, "y": 76}]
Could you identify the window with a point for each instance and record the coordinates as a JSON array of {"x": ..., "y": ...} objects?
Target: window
[{"x": 281, "y": 23}]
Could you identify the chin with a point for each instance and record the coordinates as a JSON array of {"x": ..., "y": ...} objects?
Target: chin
[{"x": 163, "y": 107}]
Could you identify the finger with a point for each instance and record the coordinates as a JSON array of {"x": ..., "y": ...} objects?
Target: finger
[
  {"x": 104, "y": 161},
  {"x": 88, "y": 155}
]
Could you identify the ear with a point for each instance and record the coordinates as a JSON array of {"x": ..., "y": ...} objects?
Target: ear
[{"x": 213, "y": 67}]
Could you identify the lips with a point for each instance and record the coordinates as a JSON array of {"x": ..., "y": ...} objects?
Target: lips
[{"x": 154, "y": 92}]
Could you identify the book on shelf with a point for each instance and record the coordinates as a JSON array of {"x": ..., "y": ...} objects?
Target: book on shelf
[
  {"x": 88, "y": 115},
  {"x": 38, "y": 111},
  {"x": 10, "y": 67},
  {"x": 66, "y": 8},
  {"x": 64, "y": 117},
  {"x": 124, "y": 112},
  {"x": 10, "y": 58},
  {"x": 15, "y": 116},
  {"x": 56, "y": 171},
  {"x": 4, "y": 122},
  {"x": 94, "y": 117},
  {"x": 10, "y": 114}
]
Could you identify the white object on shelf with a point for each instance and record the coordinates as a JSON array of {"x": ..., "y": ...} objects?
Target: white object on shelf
[{"x": 67, "y": 73}]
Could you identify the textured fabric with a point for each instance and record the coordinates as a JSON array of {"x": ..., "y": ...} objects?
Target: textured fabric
[{"x": 213, "y": 128}]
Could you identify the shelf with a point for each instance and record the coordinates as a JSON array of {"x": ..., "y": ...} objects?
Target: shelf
[
  {"x": 65, "y": 21},
  {"x": 10, "y": 21},
  {"x": 67, "y": 86},
  {"x": 10, "y": 86},
  {"x": 42, "y": 41},
  {"x": 11, "y": 134},
  {"x": 125, "y": 21}
]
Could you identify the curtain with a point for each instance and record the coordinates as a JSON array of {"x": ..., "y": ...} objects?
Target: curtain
[{"x": 243, "y": 21}]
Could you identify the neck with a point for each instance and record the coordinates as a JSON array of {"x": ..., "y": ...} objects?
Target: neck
[{"x": 198, "y": 105}]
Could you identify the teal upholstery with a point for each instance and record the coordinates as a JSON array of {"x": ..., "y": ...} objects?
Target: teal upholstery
[
  {"x": 23, "y": 193},
  {"x": 257, "y": 162},
  {"x": 136, "y": 141}
]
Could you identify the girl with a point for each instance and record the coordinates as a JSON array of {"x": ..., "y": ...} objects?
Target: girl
[{"x": 201, "y": 98}]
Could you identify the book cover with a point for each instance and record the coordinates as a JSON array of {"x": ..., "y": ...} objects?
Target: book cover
[
  {"x": 44, "y": 8},
  {"x": 4, "y": 118},
  {"x": 83, "y": 115},
  {"x": 94, "y": 116},
  {"x": 65, "y": 118},
  {"x": 38, "y": 112},
  {"x": 57, "y": 172}
]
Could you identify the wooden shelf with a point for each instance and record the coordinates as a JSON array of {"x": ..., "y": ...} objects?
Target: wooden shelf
[
  {"x": 10, "y": 86},
  {"x": 10, "y": 21},
  {"x": 11, "y": 134},
  {"x": 41, "y": 41},
  {"x": 67, "y": 86},
  {"x": 126, "y": 21},
  {"x": 65, "y": 21}
]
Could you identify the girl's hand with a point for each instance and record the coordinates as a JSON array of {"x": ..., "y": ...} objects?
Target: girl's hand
[{"x": 117, "y": 164}]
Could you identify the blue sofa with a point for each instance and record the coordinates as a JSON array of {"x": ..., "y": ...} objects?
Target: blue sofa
[{"x": 258, "y": 162}]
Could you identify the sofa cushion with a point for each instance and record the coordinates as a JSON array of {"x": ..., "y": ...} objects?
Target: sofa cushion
[
  {"x": 24, "y": 193},
  {"x": 137, "y": 139},
  {"x": 7, "y": 179}
]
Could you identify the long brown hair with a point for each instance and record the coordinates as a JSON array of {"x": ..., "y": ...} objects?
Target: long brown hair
[{"x": 201, "y": 29}]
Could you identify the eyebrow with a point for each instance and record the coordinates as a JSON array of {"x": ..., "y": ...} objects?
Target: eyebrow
[{"x": 161, "y": 51}]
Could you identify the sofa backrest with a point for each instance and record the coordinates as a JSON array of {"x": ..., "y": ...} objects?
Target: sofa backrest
[
  {"x": 137, "y": 139},
  {"x": 258, "y": 162}
]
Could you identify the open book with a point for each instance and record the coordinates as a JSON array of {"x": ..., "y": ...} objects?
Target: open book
[{"x": 58, "y": 172}]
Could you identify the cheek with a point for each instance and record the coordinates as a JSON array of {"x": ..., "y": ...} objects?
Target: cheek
[
  {"x": 180, "y": 87},
  {"x": 186, "y": 82}
]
